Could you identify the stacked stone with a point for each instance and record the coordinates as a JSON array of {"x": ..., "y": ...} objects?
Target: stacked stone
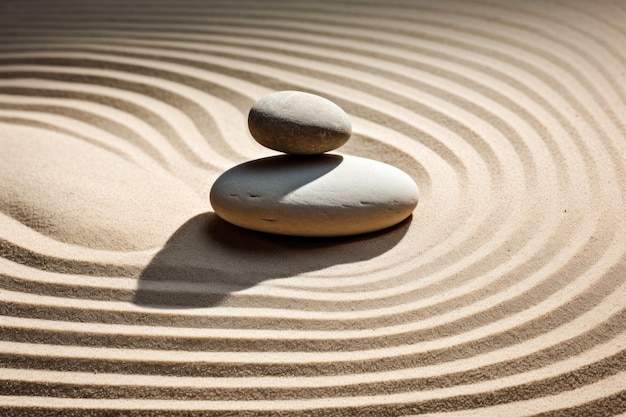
[{"x": 307, "y": 191}]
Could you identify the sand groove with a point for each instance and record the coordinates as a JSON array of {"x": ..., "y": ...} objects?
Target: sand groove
[{"x": 121, "y": 293}]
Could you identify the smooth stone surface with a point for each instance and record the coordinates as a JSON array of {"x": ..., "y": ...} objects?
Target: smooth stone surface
[
  {"x": 298, "y": 123},
  {"x": 325, "y": 195}
]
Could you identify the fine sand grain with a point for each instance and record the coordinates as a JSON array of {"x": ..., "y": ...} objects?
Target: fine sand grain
[{"x": 121, "y": 293}]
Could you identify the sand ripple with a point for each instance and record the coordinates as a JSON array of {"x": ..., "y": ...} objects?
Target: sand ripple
[{"x": 122, "y": 293}]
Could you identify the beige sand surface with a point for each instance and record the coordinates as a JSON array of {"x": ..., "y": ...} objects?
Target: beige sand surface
[{"x": 121, "y": 293}]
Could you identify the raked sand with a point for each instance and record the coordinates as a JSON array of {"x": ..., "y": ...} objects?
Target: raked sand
[{"x": 123, "y": 294}]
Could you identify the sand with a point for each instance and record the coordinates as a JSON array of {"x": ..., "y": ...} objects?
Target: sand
[{"x": 123, "y": 294}]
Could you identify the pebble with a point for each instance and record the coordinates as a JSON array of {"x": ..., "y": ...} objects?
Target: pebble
[
  {"x": 298, "y": 123},
  {"x": 325, "y": 195}
]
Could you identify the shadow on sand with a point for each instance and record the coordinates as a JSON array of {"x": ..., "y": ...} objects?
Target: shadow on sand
[{"x": 207, "y": 258}]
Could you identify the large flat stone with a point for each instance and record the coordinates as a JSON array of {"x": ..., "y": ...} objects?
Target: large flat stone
[{"x": 324, "y": 195}]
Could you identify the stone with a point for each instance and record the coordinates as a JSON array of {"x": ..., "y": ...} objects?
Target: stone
[
  {"x": 298, "y": 123},
  {"x": 325, "y": 195}
]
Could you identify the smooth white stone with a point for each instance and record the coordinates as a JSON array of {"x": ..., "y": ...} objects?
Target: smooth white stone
[
  {"x": 298, "y": 123},
  {"x": 324, "y": 195}
]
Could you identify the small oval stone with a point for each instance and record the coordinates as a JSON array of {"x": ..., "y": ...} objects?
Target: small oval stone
[
  {"x": 298, "y": 123},
  {"x": 326, "y": 195}
]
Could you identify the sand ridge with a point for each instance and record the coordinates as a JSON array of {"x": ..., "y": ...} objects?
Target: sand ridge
[{"x": 121, "y": 293}]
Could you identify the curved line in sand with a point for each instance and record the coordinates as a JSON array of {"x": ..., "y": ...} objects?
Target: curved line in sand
[{"x": 503, "y": 295}]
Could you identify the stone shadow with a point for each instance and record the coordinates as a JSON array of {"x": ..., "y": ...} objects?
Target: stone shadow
[{"x": 207, "y": 258}]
